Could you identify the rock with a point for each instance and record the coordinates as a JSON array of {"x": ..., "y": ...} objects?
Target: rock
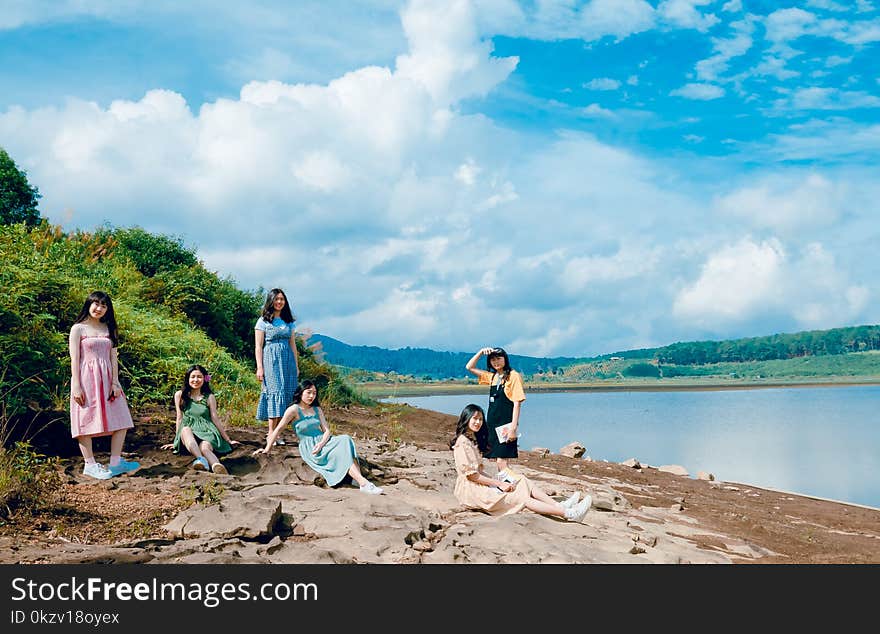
[
  {"x": 632, "y": 462},
  {"x": 703, "y": 475},
  {"x": 234, "y": 517},
  {"x": 573, "y": 450},
  {"x": 676, "y": 507},
  {"x": 299, "y": 531},
  {"x": 414, "y": 537},
  {"x": 674, "y": 469},
  {"x": 423, "y": 546},
  {"x": 543, "y": 452}
]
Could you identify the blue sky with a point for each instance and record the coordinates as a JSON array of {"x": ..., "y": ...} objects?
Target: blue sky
[{"x": 557, "y": 177}]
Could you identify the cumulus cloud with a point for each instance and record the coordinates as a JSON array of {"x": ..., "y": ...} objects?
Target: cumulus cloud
[
  {"x": 684, "y": 13},
  {"x": 751, "y": 279},
  {"x": 394, "y": 213},
  {"x": 786, "y": 203},
  {"x": 704, "y": 92}
]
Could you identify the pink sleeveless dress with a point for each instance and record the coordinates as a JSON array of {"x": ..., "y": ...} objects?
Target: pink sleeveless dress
[{"x": 98, "y": 417}]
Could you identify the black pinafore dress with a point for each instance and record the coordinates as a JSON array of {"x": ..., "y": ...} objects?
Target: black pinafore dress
[{"x": 500, "y": 413}]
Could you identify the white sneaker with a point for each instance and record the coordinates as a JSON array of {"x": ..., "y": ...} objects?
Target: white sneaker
[
  {"x": 97, "y": 470},
  {"x": 577, "y": 512},
  {"x": 572, "y": 500},
  {"x": 280, "y": 442},
  {"x": 371, "y": 488}
]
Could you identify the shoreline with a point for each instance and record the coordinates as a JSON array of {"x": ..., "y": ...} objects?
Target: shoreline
[{"x": 414, "y": 389}]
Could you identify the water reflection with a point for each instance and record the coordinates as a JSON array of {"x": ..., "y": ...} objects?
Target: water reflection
[{"x": 816, "y": 441}]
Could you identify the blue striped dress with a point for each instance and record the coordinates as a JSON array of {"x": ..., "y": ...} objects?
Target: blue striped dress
[{"x": 279, "y": 369}]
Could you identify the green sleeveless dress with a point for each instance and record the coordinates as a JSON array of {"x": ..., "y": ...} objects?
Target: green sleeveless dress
[{"x": 197, "y": 416}]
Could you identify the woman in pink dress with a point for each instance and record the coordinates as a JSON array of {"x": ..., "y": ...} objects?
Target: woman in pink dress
[{"x": 97, "y": 403}]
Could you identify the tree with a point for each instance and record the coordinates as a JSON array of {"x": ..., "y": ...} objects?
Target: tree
[{"x": 18, "y": 198}]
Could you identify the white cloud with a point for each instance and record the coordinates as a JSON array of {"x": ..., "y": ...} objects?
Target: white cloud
[
  {"x": 602, "y": 83},
  {"x": 726, "y": 49},
  {"x": 733, "y": 284},
  {"x": 699, "y": 91},
  {"x": 817, "y": 98},
  {"x": 828, "y": 5},
  {"x": 632, "y": 80},
  {"x": 595, "y": 110},
  {"x": 786, "y": 203},
  {"x": 837, "y": 60},
  {"x": 592, "y": 20},
  {"x": 750, "y": 280},
  {"x": 732, "y": 6},
  {"x": 322, "y": 170},
  {"x": 684, "y": 13},
  {"x": 467, "y": 172},
  {"x": 693, "y": 138}
]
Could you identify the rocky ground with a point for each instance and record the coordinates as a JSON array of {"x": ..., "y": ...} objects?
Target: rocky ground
[{"x": 275, "y": 509}]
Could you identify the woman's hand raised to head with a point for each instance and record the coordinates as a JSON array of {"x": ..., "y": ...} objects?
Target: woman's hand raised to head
[{"x": 485, "y": 351}]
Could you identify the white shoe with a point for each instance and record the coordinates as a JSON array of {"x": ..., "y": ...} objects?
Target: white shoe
[
  {"x": 279, "y": 442},
  {"x": 577, "y": 512},
  {"x": 371, "y": 488},
  {"x": 97, "y": 470},
  {"x": 572, "y": 500}
]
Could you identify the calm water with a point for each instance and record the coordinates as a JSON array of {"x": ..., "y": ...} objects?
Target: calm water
[{"x": 817, "y": 441}]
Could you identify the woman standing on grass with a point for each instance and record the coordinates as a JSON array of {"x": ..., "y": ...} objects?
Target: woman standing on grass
[
  {"x": 277, "y": 359},
  {"x": 97, "y": 402},
  {"x": 199, "y": 428},
  {"x": 506, "y": 396}
]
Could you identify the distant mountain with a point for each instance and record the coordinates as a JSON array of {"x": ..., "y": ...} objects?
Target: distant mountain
[{"x": 424, "y": 362}]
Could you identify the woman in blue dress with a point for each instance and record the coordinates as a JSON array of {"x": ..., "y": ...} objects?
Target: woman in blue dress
[
  {"x": 333, "y": 457},
  {"x": 277, "y": 360}
]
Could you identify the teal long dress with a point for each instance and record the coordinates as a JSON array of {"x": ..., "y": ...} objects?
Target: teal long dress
[
  {"x": 335, "y": 458},
  {"x": 197, "y": 416}
]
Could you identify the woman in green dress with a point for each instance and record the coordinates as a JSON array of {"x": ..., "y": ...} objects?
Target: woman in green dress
[{"x": 199, "y": 428}]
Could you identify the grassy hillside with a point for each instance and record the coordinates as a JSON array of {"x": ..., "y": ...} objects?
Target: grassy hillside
[{"x": 171, "y": 311}]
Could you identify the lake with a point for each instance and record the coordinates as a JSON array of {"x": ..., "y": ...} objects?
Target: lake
[{"x": 823, "y": 442}]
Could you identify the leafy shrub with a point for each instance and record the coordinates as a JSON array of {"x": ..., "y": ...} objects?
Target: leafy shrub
[{"x": 28, "y": 480}]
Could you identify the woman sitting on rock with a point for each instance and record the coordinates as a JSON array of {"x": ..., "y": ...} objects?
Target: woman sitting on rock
[
  {"x": 333, "y": 457},
  {"x": 477, "y": 490},
  {"x": 199, "y": 429}
]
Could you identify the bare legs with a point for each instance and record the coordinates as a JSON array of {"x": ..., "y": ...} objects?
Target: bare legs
[
  {"x": 355, "y": 472},
  {"x": 272, "y": 423},
  {"x": 117, "y": 440},
  {"x": 202, "y": 449},
  {"x": 542, "y": 503}
]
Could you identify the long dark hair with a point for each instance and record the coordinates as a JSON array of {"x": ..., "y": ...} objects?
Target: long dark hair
[
  {"x": 109, "y": 317},
  {"x": 462, "y": 428},
  {"x": 206, "y": 388},
  {"x": 269, "y": 309},
  {"x": 302, "y": 387},
  {"x": 498, "y": 352}
]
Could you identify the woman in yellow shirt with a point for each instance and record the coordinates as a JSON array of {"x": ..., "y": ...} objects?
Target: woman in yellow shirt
[{"x": 506, "y": 396}]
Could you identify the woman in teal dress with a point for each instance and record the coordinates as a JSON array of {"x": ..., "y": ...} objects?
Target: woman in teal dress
[
  {"x": 333, "y": 457},
  {"x": 199, "y": 428}
]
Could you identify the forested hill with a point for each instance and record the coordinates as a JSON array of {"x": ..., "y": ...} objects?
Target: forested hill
[{"x": 424, "y": 362}]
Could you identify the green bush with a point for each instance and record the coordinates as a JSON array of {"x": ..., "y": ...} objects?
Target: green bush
[{"x": 28, "y": 480}]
